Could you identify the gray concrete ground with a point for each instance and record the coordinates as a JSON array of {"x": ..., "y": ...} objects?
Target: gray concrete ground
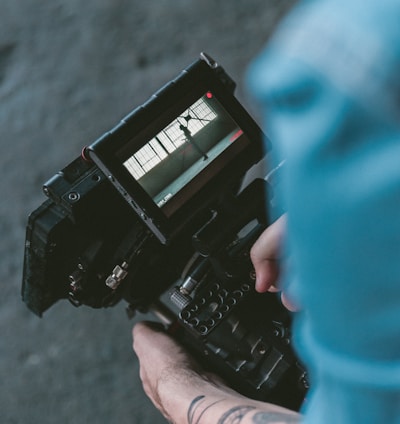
[{"x": 69, "y": 70}]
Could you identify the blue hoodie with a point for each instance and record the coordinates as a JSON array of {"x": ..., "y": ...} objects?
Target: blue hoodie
[{"x": 329, "y": 87}]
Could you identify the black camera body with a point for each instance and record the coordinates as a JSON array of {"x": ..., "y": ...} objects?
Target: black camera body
[{"x": 162, "y": 211}]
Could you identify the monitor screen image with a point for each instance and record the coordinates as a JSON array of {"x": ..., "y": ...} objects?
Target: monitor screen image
[{"x": 186, "y": 153}]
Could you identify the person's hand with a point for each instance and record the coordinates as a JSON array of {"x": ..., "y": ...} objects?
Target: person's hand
[
  {"x": 266, "y": 257},
  {"x": 168, "y": 373},
  {"x": 162, "y": 362},
  {"x": 184, "y": 393}
]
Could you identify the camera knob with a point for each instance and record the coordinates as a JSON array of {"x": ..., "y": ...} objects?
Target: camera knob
[
  {"x": 179, "y": 299},
  {"x": 117, "y": 275}
]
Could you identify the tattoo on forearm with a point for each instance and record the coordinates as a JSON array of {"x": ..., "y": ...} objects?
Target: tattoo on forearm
[
  {"x": 194, "y": 409},
  {"x": 274, "y": 418},
  {"x": 235, "y": 415},
  {"x": 198, "y": 408},
  {"x": 194, "y": 405}
]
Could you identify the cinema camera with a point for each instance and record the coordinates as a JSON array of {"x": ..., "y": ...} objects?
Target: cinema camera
[{"x": 161, "y": 211}]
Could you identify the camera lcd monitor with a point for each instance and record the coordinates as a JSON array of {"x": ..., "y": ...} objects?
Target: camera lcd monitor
[{"x": 185, "y": 154}]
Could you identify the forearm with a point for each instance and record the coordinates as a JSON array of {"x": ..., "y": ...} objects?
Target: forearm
[
  {"x": 196, "y": 399},
  {"x": 224, "y": 409}
]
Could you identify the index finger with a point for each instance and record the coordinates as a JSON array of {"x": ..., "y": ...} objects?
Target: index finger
[{"x": 265, "y": 255}]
